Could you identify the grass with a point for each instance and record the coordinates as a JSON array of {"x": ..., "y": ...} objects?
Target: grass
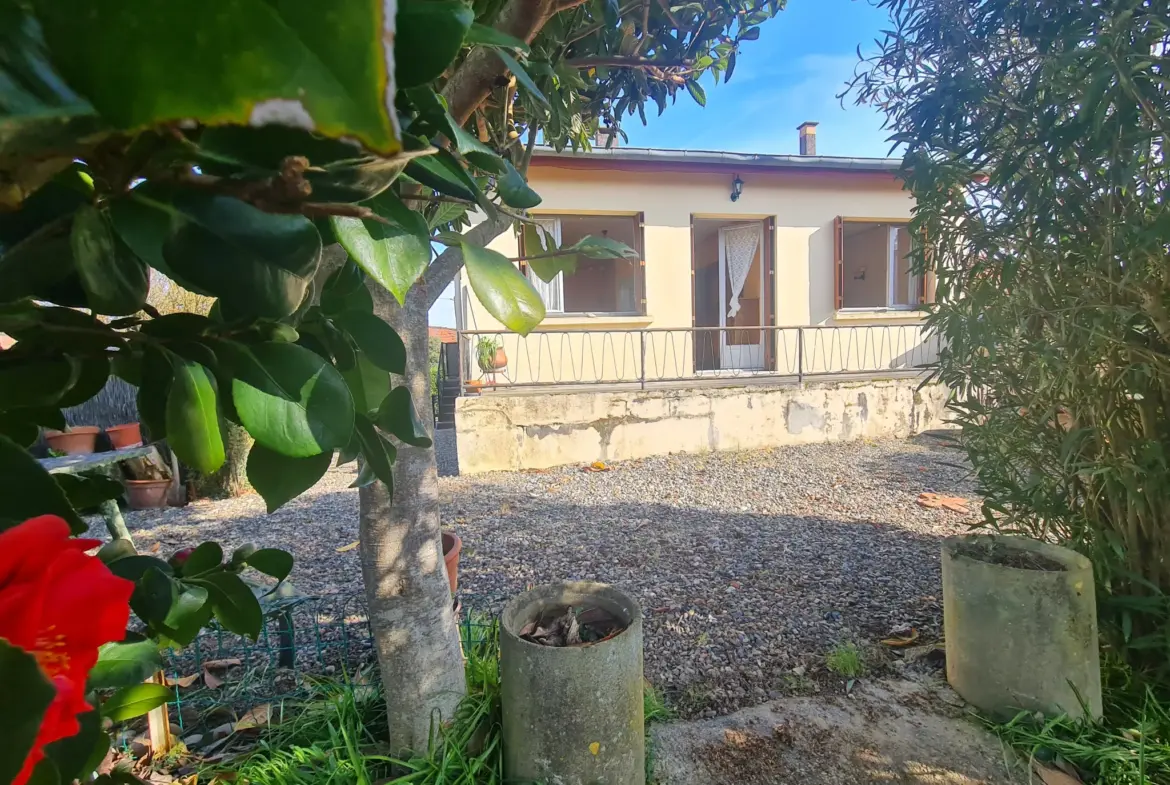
[
  {"x": 338, "y": 738},
  {"x": 846, "y": 660},
  {"x": 1130, "y": 746},
  {"x": 654, "y": 709}
]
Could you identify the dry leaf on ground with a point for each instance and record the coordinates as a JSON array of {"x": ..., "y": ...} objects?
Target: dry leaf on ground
[
  {"x": 181, "y": 681},
  {"x": 349, "y": 547},
  {"x": 596, "y": 466},
  {"x": 213, "y": 680},
  {"x": 934, "y": 501},
  {"x": 255, "y": 717},
  {"x": 901, "y": 640},
  {"x": 1053, "y": 776}
]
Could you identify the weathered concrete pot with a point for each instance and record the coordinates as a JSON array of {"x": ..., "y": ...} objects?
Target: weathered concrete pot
[
  {"x": 573, "y": 715},
  {"x": 1020, "y": 619}
]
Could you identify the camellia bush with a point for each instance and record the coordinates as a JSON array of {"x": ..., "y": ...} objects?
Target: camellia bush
[
  {"x": 1035, "y": 146},
  {"x": 234, "y": 148}
]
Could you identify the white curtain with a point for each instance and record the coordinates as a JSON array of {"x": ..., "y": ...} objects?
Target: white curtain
[
  {"x": 552, "y": 292},
  {"x": 740, "y": 245}
]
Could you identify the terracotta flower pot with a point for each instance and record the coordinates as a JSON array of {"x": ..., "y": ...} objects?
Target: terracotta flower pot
[
  {"x": 147, "y": 494},
  {"x": 499, "y": 360},
  {"x": 76, "y": 441},
  {"x": 125, "y": 435},
  {"x": 451, "y": 547}
]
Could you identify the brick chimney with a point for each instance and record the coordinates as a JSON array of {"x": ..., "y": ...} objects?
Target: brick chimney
[
  {"x": 808, "y": 138},
  {"x": 604, "y": 132}
]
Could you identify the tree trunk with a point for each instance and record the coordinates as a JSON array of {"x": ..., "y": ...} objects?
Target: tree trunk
[
  {"x": 232, "y": 478},
  {"x": 411, "y": 617}
]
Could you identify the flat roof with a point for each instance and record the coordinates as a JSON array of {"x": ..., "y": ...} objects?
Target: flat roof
[{"x": 602, "y": 155}]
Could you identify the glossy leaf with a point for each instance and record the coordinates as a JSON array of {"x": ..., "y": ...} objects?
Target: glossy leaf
[
  {"x": 430, "y": 34},
  {"x": 28, "y": 490},
  {"x": 190, "y": 612},
  {"x": 133, "y": 568},
  {"x": 35, "y": 381},
  {"x": 697, "y": 92},
  {"x": 306, "y": 65},
  {"x": 504, "y": 291},
  {"x": 192, "y": 417},
  {"x": 131, "y": 702},
  {"x": 377, "y": 453},
  {"x": 521, "y": 76},
  {"x": 92, "y": 374},
  {"x": 75, "y": 757},
  {"x": 537, "y": 241},
  {"x": 256, "y": 263},
  {"x": 88, "y": 492},
  {"x": 115, "y": 279},
  {"x": 514, "y": 189},
  {"x": 368, "y": 384},
  {"x": 154, "y": 391},
  {"x": 599, "y": 247},
  {"x": 25, "y": 694},
  {"x": 279, "y": 478},
  {"x": 273, "y": 562},
  {"x": 206, "y": 557},
  {"x": 377, "y": 340},
  {"x": 394, "y": 255},
  {"x": 398, "y": 417},
  {"x": 290, "y": 399},
  {"x": 123, "y": 664},
  {"x": 234, "y": 604},
  {"x": 439, "y": 173}
]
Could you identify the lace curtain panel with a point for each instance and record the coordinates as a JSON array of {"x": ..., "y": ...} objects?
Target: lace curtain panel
[{"x": 740, "y": 245}]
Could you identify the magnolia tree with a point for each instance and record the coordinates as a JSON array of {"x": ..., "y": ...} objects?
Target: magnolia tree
[{"x": 232, "y": 153}]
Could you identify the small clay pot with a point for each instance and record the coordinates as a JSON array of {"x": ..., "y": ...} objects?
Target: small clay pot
[
  {"x": 499, "y": 359},
  {"x": 75, "y": 441},
  {"x": 147, "y": 494},
  {"x": 451, "y": 547},
  {"x": 125, "y": 435}
]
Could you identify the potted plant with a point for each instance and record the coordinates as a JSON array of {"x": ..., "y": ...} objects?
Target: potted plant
[
  {"x": 489, "y": 354},
  {"x": 125, "y": 435},
  {"x": 452, "y": 545},
  {"x": 1020, "y": 622},
  {"x": 78, "y": 440}
]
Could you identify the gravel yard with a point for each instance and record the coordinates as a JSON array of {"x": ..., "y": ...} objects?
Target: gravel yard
[{"x": 747, "y": 564}]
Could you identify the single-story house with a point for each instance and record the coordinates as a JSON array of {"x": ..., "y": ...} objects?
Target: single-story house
[{"x": 756, "y": 275}]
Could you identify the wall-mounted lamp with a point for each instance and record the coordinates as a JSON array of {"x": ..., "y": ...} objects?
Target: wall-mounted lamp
[{"x": 736, "y": 189}]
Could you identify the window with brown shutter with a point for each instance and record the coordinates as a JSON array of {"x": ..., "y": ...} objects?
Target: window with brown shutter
[{"x": 872, "y": 264}]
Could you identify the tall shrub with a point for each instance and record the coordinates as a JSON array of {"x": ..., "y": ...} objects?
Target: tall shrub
[{"x": 1034, "y": 134}]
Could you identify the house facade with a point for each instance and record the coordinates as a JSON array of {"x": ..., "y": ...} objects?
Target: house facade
[{"x": 755, "y": 274}]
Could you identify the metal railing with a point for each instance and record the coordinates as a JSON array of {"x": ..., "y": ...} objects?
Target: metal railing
[{"x": 658, "y": 356}]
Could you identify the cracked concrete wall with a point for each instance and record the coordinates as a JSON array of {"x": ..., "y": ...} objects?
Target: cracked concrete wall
[{"x": 512, "y": 432}]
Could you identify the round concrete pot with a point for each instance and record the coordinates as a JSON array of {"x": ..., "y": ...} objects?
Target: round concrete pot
[
  {"x": 573, "y": 715},
  {"x": 1020, "y": 619}
]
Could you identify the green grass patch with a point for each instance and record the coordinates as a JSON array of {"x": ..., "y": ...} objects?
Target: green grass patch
[
  {"x": 846, "y": 660},
  {"x": 1130, "y": 746}
]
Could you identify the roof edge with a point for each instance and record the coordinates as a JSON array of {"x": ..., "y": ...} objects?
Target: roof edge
[{"x": 601, "y": 156}]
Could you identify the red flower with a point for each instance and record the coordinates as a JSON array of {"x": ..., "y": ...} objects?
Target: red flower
[{"x": 59, "y": 605}]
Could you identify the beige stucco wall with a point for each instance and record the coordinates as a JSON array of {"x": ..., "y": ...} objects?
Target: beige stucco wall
[
  {"x": 513, "y": 432},
  {"x": 803, "y": 206}
]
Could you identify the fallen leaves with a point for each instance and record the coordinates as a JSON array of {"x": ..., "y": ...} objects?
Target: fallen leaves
[
  {"x": 596, "y": 466},
  {"x": 935, "y": 501},
  {"x": 181, "y": 681},
  {"x": 900, "y": 640},
  {"x": 255, "y": 717},
  {"x": 211, "y": 678},
  {"x": 347, "y": 548},
  {"x": 1054, "y": 776}
]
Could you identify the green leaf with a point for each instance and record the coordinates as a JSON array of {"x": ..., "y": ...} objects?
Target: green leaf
[
  {"x": 206, "y": 557},
  {"x": 751, "y": 34},
  {"x": 28, "y": 490},
  {"x": 378, "y": 453},
  {"x": 133, "y": 568},
  {"x": 131, "y": 702},
  {"x": 25, "y": 694},
  {"x": 290, "y": 399},
  {"x": 114, "y": 550},
  {"x": 697, "y": 92},
  {"x": 234, "y": 604},
  {"x": 193, "y": 429},
  {"x": 124, "y": 664},
  {"x": 397, "y": 416},
  {"x": 514, "y": 189},
  {"x": 430, "y": 35},
  {"x": 286, "y": 62},
  {"x": 377, "y": 340},
  {"x": 604, "y": 248},
  {"x": 279, "y": 478},
  {"x": 345, "y": 290},
  {"x": 256, "y": 263},
  {"x": 92, "y": 375},
  {"x": 441, "y": 174},
  {"x": 368, "y": 384},
  {"x": 395, "y": 255},
  {"x": 115, "y": 279},
  {"x": 190, "y": 612},
  {"x": 504, "y": 291},
  {"x": 17, "y": 427},
  {"x": 489, "y": 36},
  {"x": 521, "y": 76},
  {"x": 538, "y": 241},
  {"x": 153, "y": 596},
  {"x": 35, "y": 381},
  {"x": 154, "y": 391},
  {"x": 86, "y": 493},
  {"x": 274, "y": 562}
]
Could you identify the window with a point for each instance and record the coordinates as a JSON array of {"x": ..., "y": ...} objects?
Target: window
[
  {"x": 609, "y": 286},
  {"x": 873, "y": 266}
]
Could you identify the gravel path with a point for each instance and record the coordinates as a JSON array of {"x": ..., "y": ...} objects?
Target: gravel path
[{"x": 747, "y": 564}]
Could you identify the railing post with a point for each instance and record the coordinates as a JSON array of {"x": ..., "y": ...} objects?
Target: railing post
[
  {"x": 800, "y": 356},
  {"x": 642, "y": 375},
  {"x": 460, "y": 337}
]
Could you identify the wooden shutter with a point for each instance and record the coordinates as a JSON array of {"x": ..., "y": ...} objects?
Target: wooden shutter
[
  {"x": 769, "y": 298},
  {"x": 927, "y": 283},
  {"x": 838, "y": 261},
  {"x": 640, "y": 239}
]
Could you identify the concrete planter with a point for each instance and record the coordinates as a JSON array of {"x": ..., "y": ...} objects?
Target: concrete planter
[
  {"x": 1020, "y": 619},
  {"x": 573, "y": 715}
]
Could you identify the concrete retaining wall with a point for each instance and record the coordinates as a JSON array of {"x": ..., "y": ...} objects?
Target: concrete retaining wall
[{"x": 511, "y": 432}]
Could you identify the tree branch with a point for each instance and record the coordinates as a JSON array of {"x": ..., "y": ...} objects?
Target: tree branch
[
  {"x": 473, "y": 80},
  {"x": 447, "y": 265},
  {"x": 626, "y": 62}
]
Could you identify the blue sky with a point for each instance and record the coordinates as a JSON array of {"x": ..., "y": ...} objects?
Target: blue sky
[{"x": 793, "y": 73}]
